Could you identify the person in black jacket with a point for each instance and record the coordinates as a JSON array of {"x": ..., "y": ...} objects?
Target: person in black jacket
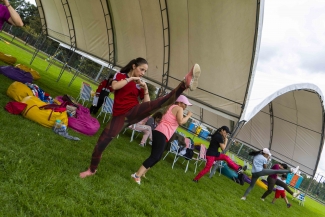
[{"x": 218, "y": 139}]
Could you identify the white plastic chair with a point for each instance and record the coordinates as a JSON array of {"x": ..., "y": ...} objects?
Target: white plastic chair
[
  {"x": 301, "y": 198},
  {"x": 173, "y": 148},
  {"x": 107, "y": 107},
  {"x": 201, "y": 157},
  {"x": 85, "y": 93},
  {"x": 132, "y": 127}
]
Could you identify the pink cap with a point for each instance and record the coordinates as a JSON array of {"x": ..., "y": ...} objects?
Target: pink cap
[{"x": 183, "y": 99}]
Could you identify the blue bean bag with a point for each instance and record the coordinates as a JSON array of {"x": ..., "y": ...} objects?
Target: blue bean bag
[{"x": 16, "y": 74}]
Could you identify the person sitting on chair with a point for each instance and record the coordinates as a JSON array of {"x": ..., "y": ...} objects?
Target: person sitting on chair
[
  {"x": 154, "y": 120},
  {"x": 9, "y": 15},
  {"x": 103, "y": 90}
]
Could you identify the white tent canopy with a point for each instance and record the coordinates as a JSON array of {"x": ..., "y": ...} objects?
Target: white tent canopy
[{"x": 223, "y": 36}]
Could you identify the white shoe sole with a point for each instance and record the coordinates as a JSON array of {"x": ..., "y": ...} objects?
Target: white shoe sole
[{"x": 195, "y": 77}]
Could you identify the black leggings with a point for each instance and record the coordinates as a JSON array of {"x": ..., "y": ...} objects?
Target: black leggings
[
  {"x": 134, "y": 115},
  {"x": 158, "y": 146},
  {"x": 264, "y": 172},
  {"x": 270, "y": 185}
]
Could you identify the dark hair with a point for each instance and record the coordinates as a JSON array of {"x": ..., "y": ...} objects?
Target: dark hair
[
  {"x": 215, "y": 132},
  {"x": 137, "y": 62},
  {"x": 285, "y": 166},
  {"x": 284, "y": 176},
  {"x": 157, "y": 115},
  {"x": 110, "y": 79},
  {"x": 254, "y": 153}
]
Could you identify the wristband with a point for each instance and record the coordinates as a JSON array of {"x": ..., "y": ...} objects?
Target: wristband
[
  {"x": 127, "y": 80},
  {"x": 8, "y": 6},
  {"x": 146, "y": 93}
]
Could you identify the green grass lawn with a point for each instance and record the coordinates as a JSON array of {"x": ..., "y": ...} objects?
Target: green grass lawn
[{"x": 40, "y": 172}]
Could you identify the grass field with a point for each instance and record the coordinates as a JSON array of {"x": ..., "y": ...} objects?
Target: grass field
[{"x": 40, "y": 172}]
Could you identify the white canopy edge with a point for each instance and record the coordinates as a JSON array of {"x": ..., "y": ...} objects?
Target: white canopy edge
[{"x": 254, "y": 107}]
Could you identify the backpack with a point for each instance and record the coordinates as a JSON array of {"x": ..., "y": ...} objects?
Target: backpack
[{"x": 189, "y": 154}]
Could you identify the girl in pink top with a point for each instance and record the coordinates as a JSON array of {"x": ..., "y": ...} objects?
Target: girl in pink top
[{"x": 163, "y": 132}]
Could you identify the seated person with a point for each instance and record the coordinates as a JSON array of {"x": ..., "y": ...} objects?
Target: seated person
[
  {"x": 146, "y": 126},
  {"x": 154, "y": 120}
]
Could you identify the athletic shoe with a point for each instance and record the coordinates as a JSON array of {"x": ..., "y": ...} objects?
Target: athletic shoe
[
  {"x": 196, "y": 181},
  {"x": 142, "y": 145},
  {"x": 243, "y": 198},
  {"x": 192, "y": 78},
  {"x": 294, "y": 170},
  {"x": 288, "y": 205},
  {"x": 150, "y": 143},
  {"x": 296, "y": 194},
  {"x": 136, "y": 179},
  {"x": 242, "y": 169},
  {"x": 262, "y": 199}
]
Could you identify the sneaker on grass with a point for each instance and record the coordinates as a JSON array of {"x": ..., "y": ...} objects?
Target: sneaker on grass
[
  {"x": 295, "y": 194},
  {"x": 243, "y": 198},
  {"x": 136, "y": 178}
]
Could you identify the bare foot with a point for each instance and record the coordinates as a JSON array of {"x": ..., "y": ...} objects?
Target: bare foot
[{"x": 86, "y": 173}]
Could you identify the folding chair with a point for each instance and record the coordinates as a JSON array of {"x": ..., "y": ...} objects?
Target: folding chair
[
  {"x": 132, "y": 127},
  {"x": 173, "y": 148},
  {"x": 301, "y": 198},
  {"x": 201, "y": 157},
  {"x": 85, "y": 93},
  {"x": 107, "y": 107}
]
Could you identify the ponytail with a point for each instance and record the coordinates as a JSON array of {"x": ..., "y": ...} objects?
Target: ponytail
[
  {"x": 254, "y": 153},
  {"x": 137, "y": 62},
  {"x": 215, "y": 132}
]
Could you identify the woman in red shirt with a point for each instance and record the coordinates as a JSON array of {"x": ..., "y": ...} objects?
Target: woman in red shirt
[{"x": 128, "y": 87}]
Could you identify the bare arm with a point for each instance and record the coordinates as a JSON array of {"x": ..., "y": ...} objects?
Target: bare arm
[
  {"x": 180, "y": 115},
  {"x": 116, "y": 85},
  {"x": 224, "y": 144},
  {"x": 14, "y": 19}
]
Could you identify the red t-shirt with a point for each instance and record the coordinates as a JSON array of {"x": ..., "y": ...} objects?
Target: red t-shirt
[{"x": 126, "y": 97}]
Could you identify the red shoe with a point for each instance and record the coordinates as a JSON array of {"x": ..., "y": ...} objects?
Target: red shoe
[{"x": 192, "y": 78}]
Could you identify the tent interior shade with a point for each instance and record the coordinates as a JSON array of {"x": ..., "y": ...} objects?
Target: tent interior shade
[
  {"x": 289, "y": 126},
  {"x": 224, "y": 39}
]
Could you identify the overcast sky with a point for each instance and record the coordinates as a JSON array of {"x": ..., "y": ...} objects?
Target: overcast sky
[{"x": 293, "y": 44}]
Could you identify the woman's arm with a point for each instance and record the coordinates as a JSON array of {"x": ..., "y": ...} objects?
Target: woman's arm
[
  {"x": 14, "y": 16},
  {"x": 180, "y": 115},
  {"x": 116, "y": 85}
]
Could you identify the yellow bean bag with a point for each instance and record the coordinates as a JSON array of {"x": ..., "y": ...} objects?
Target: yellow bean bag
[
  {"x": 261, "y": 184},
  {"x": 45, "y": 117},
  {"x": 18, "y": 91},
  {"x": 7, "y": 58},
  {"x": 34, "y": 73}
]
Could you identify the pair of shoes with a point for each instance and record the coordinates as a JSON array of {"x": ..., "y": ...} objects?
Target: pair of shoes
[
  {"x": 262, "y": 199},
  {"x": 296, "y": 194},
  {"x": 294, "y": 170},
  {"x": 288, "y": 205},
  {"x": 243, "y": 198},
  {"x": 196, "y": 181},
  {"x": 192, "y": 78},
  {"x": 136, "y": 179},
  {"x": 142, "y": 145},
  {"x": 241, "y": 169}
]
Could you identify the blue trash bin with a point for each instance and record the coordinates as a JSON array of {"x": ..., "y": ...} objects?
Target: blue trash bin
[{"x": 192, "y": 127}]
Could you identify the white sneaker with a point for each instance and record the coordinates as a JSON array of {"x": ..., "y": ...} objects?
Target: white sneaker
[
  {"x": 192, "y": 78},
  {"x": 142, "y": 145},
  {"x": 243, "y": 198},
  {"x": 136, "y": 179},
  {"x": 262, "y": 199},
  {"x": 150, "y": 143},
  {"x": 296, "y": 194},
  {"x": 294, "y": 170}
]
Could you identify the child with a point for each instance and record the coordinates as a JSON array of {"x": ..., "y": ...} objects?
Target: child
[{"x": 281, "y": 192}]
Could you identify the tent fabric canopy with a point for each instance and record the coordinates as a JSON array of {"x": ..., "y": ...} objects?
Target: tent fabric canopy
[{"x": 222, "y": 36}]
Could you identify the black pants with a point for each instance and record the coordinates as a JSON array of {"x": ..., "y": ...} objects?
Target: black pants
[
  {"x": 158, "y": 146},
  {"x": 94, "y": 109},
  {"x": 271, "y": 182}
]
